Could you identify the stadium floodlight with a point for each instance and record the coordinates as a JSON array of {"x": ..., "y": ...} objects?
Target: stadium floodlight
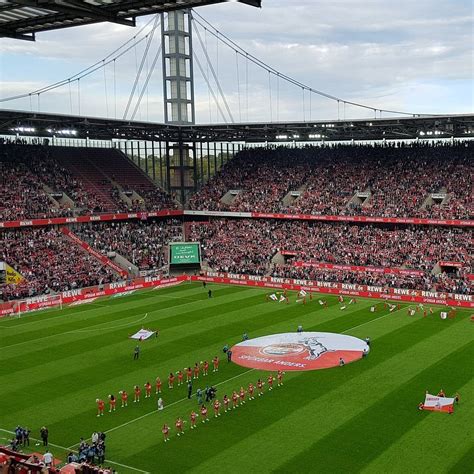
[
  {"x": 314, "y": 135},
  {"x": 282, "y": 137},
  {"x": 296, "y": 136},
  {"x": 421, "y": 133},
  {"x": 23, "y": 129},
  {"x": 67, "y": 131}
]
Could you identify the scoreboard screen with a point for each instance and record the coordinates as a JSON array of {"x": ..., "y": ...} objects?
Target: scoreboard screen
[{"x": 185, "y": 253}]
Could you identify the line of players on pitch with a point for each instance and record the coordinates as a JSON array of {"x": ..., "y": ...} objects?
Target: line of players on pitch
[
  {"x": 191, "y": 374},
  {"x": 229, "y": 403}
]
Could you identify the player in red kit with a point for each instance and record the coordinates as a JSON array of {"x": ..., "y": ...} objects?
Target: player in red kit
[
  {"x": 189, "y": 374},
  {"x": 196, "y": 370},
  {"x": 215, "y": 362},
  {"x": 180, "y": 377},
  {"x": 158, "y": 385},
  {"x": 179, "y": 426},
  {"x": 217, "y": 405},
  {"x": 270, "y": 382},
  {"x": 137, "y": 392},
  {"x": 226, "y": 402},
  {"x": 171, "y": 380},
  {"x": 100, "y": 407},
  {"x": 242, "y": 395},
  {"x": 260, "y": 387},
  {"x": 124, "y": 397},
  {"x": 204, "y": 413},
  {"x": 193, "y": 417},
  {"x": 280, "y": 377},
  {"x": 166, "y": 432},
  {"x": 112, "y": 402},
  {"x": 205, "y": 367},
  {"x": 235, "y": 400},
  {"x": 251, "y": 390},
  {"x": 341, "y": 299},
  {"x": 147, "y": 390}
]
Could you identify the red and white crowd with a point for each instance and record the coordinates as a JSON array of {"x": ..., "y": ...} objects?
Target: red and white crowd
[
  {"x": 143, "y": 243},
  {"x": 49, "y": 262},
  {"x": 373, "y": 180},
  {"x": 250, "y": 245},
  {"x": 40, "y": 179},
  {"x": 398, "y": 181}
]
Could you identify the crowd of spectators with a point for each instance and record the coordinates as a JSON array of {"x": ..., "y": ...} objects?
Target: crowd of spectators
[
  {"x": 49, "y": 262},
  {"x": 89, "y": 458},
  {"x": 153, "y": 199},
  {"x": 90, "y": 453},
  {"x": 25, "y": 170},
  {"x": 143, "y": 243},
  {"x": 250, "y": 245},
  {"x": 398, "y": 179}
]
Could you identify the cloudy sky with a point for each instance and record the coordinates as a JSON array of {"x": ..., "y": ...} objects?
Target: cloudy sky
[{"x": 414, "y": 56}]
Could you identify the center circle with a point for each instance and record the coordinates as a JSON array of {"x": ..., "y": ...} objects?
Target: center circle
[{"x": 299, "y": 351}]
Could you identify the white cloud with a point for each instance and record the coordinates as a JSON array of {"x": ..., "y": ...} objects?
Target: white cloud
[{"x": 414, "y": 56}]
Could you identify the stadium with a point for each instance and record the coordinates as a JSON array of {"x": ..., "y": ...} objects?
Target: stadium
[{"x": 236, "y": 237}]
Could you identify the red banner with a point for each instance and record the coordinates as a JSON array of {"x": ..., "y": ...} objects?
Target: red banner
[
  {"x": 70, "y": 296},
  {"x": 258, "y": 215},
  {"x": 378, "y": 220},
  {"x": 97, "y": 255},
  {"x": 91, "y": 218},
  {"x": 359, "y": 268},
  {"x": 289, "y": 253},
  {"x": 363, "y": 291},
  {"x": 451, "y": 264}
]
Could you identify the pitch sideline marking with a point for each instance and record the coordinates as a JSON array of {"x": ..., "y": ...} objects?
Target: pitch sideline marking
[
  {"x": 68, "y": 449},
  {"x": 167, "y": 406}
]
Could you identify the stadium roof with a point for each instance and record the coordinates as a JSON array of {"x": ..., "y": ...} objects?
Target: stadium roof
[
  {"x": 21, "y": 19},
  {"x": 404, "y": 128}
]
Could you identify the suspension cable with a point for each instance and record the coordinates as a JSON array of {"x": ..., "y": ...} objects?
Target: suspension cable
[
  {"x": 139, "y": 71},
  {"x": 145, "y": 85},
  {"x": 231, "y": 44},
  {"x": 84, "y": 72},
  {"x": 219, "y": 88},
  {"x": 209, "y": 85}
]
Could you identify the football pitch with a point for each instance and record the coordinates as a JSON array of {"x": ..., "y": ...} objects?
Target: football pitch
[{"x": 359, "y": 418}]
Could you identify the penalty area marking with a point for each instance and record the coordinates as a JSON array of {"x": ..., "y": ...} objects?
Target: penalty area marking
[{"x": 108, "y": 461}]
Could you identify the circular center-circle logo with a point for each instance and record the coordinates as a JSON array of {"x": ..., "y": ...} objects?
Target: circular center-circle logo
[{"x": 299, "y": 351}]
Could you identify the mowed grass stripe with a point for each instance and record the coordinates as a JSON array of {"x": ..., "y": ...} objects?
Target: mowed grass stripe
[
  {"x": 456, "y": 436},
  {"x": 73, "y": 412},
  {"x": 281, "y": 406},
  {"x": 383, "y": 423},
  {"x": 82, "y": 316},
  {"x": 99, "y": 352},
  {"x": 157, "y": 312},
  {"x": 104, "y": 384},
  {"x": 323, "y": 400},
  {"x": 193, "y": 319}
]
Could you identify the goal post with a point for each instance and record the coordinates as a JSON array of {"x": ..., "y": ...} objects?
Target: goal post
[{"x": 37, "y": 303}]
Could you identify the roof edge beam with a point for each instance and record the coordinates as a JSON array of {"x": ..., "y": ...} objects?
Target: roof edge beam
[
  {"x": 5, "y": 33},
  {"x": 70, "y": 7}
]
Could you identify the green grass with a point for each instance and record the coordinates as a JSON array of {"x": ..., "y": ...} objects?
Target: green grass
[{"x": 362, "y": 418}]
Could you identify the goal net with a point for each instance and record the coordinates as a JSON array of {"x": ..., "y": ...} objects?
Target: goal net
[{"x": 35, "y": 304}]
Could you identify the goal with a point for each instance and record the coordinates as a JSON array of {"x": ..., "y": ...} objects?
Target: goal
[{"x": 34, "y": 304}]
